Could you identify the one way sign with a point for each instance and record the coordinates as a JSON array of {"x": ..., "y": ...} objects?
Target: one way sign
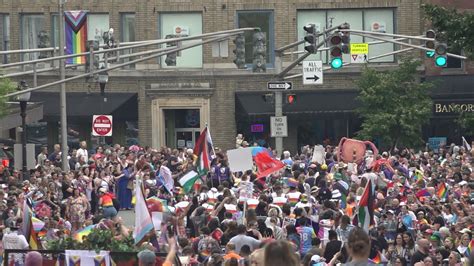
[
  {"x": 279, "y": 85},
  {"x": 312, "y": 72}
]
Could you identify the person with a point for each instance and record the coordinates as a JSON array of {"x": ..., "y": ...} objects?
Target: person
[
  {"x": 124, "y": 190},
  {"x": 242, "y": 239},
  {"x": 307, "y": 234},
  {"x": 42, "y": 156},
  {"x": 82, "y": 154},
  {"x": 76, "y": 208},
  {"x": 422, "y": 252},
  {"x": 358, "y": 248},
  {"x": 14, "y": 240},
  {"x": 33, "y": 258},
  {"x": 230, "y": 252},
  {"x": 344, "y": 228},
  {"x": 279, "y": 253},
  {"x": 106, "y": 203},
  {"x": 333, "y": 246},
  {"x": 454, "y": 259},
  {"x": 396, "y": 249},
  {"x": 146, "y": 258}
]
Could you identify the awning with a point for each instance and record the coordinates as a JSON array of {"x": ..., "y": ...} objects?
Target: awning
[
  {"x": 82, "y": 104},
  {"x": 307, "y": 102},
  {"x": 34, "y": 113}
]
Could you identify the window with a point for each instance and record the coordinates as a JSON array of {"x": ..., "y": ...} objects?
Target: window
[
  {"x": 54, "y": 30},
  {"x": 263, "y": 20},
  {"x": 378, "y": 20},
  {"x": 127, "y": 31},
  {"x": 4, "y": 35},
  {"x": 184, "y": 24},
  {"x": 97, "y": 24},
  {"x": 31, "y": 27}
]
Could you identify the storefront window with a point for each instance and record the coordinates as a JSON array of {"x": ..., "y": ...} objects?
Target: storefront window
[
  {"x": 263, "y": 20},
  {"x": 32, "y": 26},
  {"x": 4, "y": 35},
  {"x": 183, "y": 24},
  {"x": 377, "y": 20}
]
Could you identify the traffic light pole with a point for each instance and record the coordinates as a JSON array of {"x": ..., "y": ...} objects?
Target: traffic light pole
[
  {"x": 62, "y": 99},
  {"x": 278, "y": 104}
]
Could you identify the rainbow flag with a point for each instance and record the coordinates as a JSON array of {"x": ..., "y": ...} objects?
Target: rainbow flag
[
  {"x": 79, "y": 235},
  {"x": 76, "y": 35},
  {"x": 37, "y": 224},
  {"x": 442, "y": 192},
  {"x": 379, "y": 259},
  {"x": 292, "y": 182},
  {"x": 423, "y": 193},
  {"x": 469, "y": 248}
]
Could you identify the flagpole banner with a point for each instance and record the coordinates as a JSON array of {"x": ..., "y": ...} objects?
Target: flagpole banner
[
  {"x": 240, "y": 160},
  {"x": 75, "y": 30},
  {"x": 143, "y": 222},
  {"x": 87, "y": 258}
]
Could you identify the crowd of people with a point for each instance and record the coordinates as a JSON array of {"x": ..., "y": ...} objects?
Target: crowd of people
[{"x": 307, "y": 213}]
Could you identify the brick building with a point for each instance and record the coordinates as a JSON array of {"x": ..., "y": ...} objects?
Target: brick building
[{"x": 156, "y": 105}]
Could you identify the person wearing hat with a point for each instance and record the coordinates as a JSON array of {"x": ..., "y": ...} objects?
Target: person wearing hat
[
  {"x": 14, "y": 240},
  {"x": 106, "y": 202}
]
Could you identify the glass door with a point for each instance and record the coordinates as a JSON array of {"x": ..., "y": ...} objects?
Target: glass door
[{"x": 186, "y": 137}]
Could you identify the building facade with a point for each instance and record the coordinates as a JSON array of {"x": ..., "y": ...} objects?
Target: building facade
[{"x": 157, "y": 105}]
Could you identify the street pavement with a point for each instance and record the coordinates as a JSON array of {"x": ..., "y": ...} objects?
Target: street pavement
[{"x": 128, "y": 217}]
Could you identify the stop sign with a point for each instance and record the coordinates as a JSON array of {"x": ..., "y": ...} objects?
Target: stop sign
[{"x": 102, "y": 125}]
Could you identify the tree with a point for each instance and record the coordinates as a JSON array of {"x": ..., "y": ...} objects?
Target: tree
[
  {"x": 6, "y": 86},
  {"x": 457, "y": 27},
  {"x": 395, "y": 105},
  {"x": 466, "y": 122}
]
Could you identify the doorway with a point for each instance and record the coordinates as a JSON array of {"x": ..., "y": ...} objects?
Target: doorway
[{"x": 182, "y": 127}]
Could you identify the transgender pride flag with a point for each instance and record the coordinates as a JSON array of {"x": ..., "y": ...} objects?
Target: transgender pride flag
[{"x": 76, "y": 35}]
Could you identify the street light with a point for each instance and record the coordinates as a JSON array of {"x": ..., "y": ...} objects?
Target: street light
[
  {"x": 103, "y": 79},
  {"x": 23, "y": 99}
]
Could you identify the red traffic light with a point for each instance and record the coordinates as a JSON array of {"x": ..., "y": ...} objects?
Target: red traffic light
[
  {"x": 336, "y": 52},
  {"x": 335, "y": 39},
  {"x": 290, "y": 98}
]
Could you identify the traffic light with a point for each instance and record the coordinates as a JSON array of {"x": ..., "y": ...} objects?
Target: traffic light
[
  {"x": 441, "y": 49},
  {"x": 335, "y": 43},
  {"x": 259, "y": 52},
  {"x": 239, "y": 51},
  {"x": 432, "y": 35},
  {"x": 291, "y": 98},
  {"x": 345, "y": 38},
  {"x": 171, "y": 57},
  {"x": 311, "y": 38}
]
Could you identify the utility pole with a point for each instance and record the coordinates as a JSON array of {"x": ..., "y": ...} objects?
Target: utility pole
[
  {"x": 62, "y": 99},
  {"x": 278, "y": 104}
]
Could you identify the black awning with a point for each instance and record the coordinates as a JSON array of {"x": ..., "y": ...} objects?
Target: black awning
[
  {"x": 82, "y": 104},
  {"x": 308, "y": 102}
]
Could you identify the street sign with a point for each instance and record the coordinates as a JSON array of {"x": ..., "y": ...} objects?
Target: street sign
[
  {"x": 359, "y": 53},
  {"x": 312, "y": 72},
  {"x": 102, "y": 125},
  {"x": 359, "y": 48},
  {"x": 279, "y": 85},
  {"x": 359, "y": 58},
  {"x": 278, "y": 126}
]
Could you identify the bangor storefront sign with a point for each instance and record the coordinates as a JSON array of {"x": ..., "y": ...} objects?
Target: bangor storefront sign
[{"x": 453, "y": 107}]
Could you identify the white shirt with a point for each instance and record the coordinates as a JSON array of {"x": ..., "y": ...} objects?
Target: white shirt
[
  {"x": 13, "y": 240},
  {"x": 82, "y": 153}
]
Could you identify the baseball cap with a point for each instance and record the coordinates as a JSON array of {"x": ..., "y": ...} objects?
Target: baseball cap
[
  {"x": 146, "y": 256},
  {"x": 465, "y": 230}
]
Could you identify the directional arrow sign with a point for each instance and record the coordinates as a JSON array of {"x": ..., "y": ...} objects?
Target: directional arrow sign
[
  {"x": 312, "y": 72},
  {"x": 279, "y": 85}
]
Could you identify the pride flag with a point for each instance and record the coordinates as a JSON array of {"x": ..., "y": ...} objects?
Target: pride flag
[
  {"x": 423, "y": 193},
  {"x": 76, "y": 35},
  {"x": 79, "y": 235},
  {"x": 442, "y": 192},
  {"x": 469, "y": 248}
]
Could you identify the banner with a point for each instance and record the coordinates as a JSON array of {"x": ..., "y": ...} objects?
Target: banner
[
  {"x": 87, "y": 258},
  {"x": 75, "y": 30}
]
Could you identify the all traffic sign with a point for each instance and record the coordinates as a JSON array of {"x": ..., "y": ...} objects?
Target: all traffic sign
[
  {"x": 312, "y": 72},
  {"x": 102, "y": 125},
  {"x": 279, "y": 85}
]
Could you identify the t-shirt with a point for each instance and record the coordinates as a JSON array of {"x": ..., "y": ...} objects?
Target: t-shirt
[
  {"x": 417, "y": 257},
  {"x": 331, "y": 249},
  {"x": 307, "y": 234},
  {"x": 13, "y": 240},
  {"x": 240, "y": 240}
]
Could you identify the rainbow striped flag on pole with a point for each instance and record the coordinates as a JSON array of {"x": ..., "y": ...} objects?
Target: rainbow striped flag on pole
[
  {"x": 143, "y": 222},
  {"x": 442, "y": 192},
  {"x": 75, "y": 30}
]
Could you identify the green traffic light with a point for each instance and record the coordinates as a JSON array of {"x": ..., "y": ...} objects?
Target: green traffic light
[
  {"x": 336, "y": 63},
  {"x": 430, "y": 54},
  {"x": 441, "y": 61}
]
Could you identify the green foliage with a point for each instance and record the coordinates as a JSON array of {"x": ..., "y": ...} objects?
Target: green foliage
[
  {"x": 466, "y": 122},
  {"x": 6, "y": 86},
  {"x": 458, "y": 27},
  {"x": 97, "y": 240},
  {"x": 394, "y": 105}
]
